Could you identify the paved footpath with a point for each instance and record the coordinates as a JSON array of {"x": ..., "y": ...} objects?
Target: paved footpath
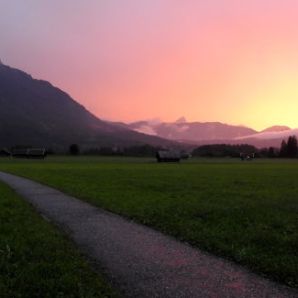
[{"x": 139, "y": 261}]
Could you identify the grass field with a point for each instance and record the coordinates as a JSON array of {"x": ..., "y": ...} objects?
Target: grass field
[
  {"x": 36, "y": 260},
  {"x": 244, "y": 211}
]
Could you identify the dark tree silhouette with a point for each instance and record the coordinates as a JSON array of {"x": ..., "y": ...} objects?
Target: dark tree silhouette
[
  {"x": 74, "y": 149},
  {"x": 283, "y": 149},
  {"x": 292, "y": 147},
  {"x": 222, "y": 150},
  {"x": 271, "y": 152},
  {"x": 289, "y": 148}
]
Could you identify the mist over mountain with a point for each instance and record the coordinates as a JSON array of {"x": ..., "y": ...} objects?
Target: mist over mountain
[
  {"x": 192, "y": 131},
  {"x": 201, "y": 133},
  {"x": 34, "y": 112},
  {"x": 268, "y": 137}
]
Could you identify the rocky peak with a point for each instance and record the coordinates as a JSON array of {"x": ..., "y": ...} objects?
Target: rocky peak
[{"x": 181, "y": 120}]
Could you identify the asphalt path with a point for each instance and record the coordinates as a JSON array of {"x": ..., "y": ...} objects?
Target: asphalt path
[{"x": 138, "y": 260}]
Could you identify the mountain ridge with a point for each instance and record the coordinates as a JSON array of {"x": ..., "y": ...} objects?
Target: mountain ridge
[
  {"x": 34, "y": 112},
  {"x": 276, "y": 128},
  {"x": 214, "y": 132},
  {"x": 192, "y": 131}
]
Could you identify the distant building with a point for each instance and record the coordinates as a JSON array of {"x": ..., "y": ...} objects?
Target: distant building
[
  {"x": 4, "y": 152},
  {"x": 29, "y": 153},
  {"x": 168, "y": 156},
  {"x": 247, "y": 156},
  {"x": 37, "y": 153},
  {"x": 20, "y": 153}
]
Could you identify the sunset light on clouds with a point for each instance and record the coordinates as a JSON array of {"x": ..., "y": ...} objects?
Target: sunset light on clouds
[{"x": 217, "y": 60}]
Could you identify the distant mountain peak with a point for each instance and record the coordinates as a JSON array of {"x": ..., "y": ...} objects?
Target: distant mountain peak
[
  {"x": 154, "y": 121},
  {"x": 276, "y": 128},
  {"x": 181, "y": 120},
  {"x": 181, "y": 130}
]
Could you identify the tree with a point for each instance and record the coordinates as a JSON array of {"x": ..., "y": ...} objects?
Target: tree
[
  {"x": 292, "y": 147},
  {"x": 223, "y": 150},
  {"x": 271, "y": 152},
  {"x": 74, "y": 149},
  {"x": 283, "y": 152}
]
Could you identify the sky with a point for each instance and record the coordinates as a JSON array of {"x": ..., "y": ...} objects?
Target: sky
[{"x": 218, "y": 60}]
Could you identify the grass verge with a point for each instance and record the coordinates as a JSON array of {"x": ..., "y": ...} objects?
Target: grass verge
[{"x": 36, "y": 260}]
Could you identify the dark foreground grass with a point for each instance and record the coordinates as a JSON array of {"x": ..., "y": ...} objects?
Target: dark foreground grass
[
  {"x": 37, "y": 261},
  {"x": 247, "y": 212}
]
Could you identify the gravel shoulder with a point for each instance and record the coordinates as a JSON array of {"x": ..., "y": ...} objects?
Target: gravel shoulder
[{"x": 140, "y": 261}]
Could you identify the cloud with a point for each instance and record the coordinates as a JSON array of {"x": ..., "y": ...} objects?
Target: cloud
[{"x": 146, "y": 129}]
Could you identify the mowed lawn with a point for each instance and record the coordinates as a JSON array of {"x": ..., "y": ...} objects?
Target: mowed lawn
[
  {"x": 244, "y": 211},
  {"x": 36, "y": 260}
]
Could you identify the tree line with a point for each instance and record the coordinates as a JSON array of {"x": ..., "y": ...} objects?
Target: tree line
[
  {"x": 223, "y": 150},
  {"x": 137, "y": 150},
  {"x": 288, "y": 149}
]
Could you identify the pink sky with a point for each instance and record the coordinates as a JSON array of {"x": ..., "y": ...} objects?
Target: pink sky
[{"x": 217, "y": 60}]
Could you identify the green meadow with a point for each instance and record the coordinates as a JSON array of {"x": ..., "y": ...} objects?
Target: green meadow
[
  {"x": 36, "y": 260},
  {"x": 244, "y": 211}
]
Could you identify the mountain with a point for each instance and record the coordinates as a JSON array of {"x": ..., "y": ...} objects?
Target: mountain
[
  {"x": 192, "y": 131},
  {"x": 203, "y": 133},
  {"x": 276, "y": 128},
  {"x": 268, "y": 138},
  {"x": 34, "y": 112},
  {"x": 181, "y": 120}
]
